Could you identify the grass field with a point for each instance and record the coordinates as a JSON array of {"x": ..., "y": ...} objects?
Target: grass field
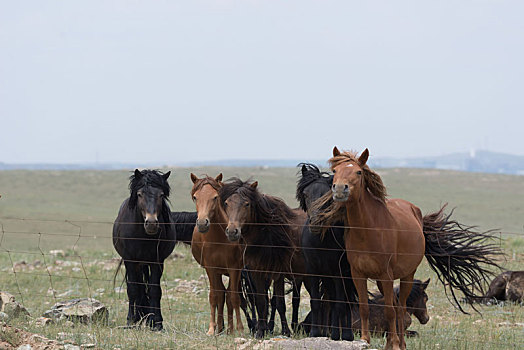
[{"x": 73, "y": 211}]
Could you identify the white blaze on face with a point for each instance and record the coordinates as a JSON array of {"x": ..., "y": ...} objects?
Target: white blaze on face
[{"x": 349, "y": 165}]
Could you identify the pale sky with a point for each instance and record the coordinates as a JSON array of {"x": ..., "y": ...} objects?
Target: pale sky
[{"x": 182, "y": 81}]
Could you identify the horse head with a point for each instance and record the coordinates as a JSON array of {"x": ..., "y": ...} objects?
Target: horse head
[
  {"x": 205, "y": 196},
  {"x": 149, "y": 192}
]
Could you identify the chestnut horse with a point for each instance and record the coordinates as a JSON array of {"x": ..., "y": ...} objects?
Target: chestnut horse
[
  {"x": 269, "y": 232},
  {"x": 388, "y": 238},
  {"x": 216, "y": 254}
]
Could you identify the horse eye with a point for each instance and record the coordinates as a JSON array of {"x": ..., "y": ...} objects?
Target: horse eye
[
  {"x": 139, "y": 194},
  {"x": 215, "y": 198},
  {"x": 334, "y": 171},
  {"x": 359, "y": 172},
  {"x": 194, "y": 198},
  {"x": 247, "y": 204}
]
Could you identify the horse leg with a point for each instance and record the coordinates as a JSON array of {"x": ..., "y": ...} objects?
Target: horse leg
[
  {"x": 221, "y": 299},
  {"x": 261, "y": 303},
  {"x": 234, "y": 291},
  {"x": 135, "y": 291},
  {"x": 278, "y": 287},
  {"x": 297, "y": 286},
  {"x": 361, "y": 284},
  {"x": 343, "y": 313},
  {"x": 315, "y": 307},
  {"x": 212, "y": 301},
  {"x": 155, "y": 294},
  {"x": 348, "y": 289},
  {"x": 406, "y": 284},
  {"x": 389, "y": 312}
]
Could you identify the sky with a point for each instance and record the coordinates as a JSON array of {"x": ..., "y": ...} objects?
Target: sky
[{"x": 189, "y": 81}]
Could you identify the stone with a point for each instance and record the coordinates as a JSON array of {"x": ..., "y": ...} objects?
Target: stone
[
  {"x": 71, "y": 347},
  {"x": 43, "y": 321},
  {"x": 309, "y": 343},
  {"x": 24, "y": 347},
  {"x": 84, "y": 310},
  {"x": 10, "y": 306},
  {"x": 4, "y": 317}
]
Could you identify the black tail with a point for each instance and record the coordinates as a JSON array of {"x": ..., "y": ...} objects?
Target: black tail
[
  {"x": 247, "y": 299},
  {"x": 460, "y": 255},
  {"x": 184, "y": 224}
]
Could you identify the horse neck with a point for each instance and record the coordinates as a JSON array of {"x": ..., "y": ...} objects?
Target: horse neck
[{"x": 367, "y": 212}]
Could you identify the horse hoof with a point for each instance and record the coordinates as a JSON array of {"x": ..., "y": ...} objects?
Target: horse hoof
[
  {"x": 348, "y": 336},
  {"x": 260, "y": 334}
]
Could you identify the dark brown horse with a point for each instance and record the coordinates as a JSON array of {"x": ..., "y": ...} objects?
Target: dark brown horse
[
  {"x": 508, "y": 286},
  {"x": 389, "y": 237},
  {"x": 269, "y": 232},
  {"x": 416, "y": 305},
  {"x": 216, "y": 253}
]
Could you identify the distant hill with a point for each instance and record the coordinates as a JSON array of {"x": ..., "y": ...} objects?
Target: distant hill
[{"x": 479, "y": 161}]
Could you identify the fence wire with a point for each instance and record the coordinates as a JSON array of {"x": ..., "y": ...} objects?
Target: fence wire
[{"x": 52, "y": 262}]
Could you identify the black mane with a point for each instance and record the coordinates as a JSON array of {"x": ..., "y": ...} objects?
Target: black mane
[
  {"x": 153, "y": 178},
  {"x": 311, "y": 175},
  {"x": 269, "y": 245}
]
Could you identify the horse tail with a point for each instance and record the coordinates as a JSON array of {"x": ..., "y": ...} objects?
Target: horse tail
[
  {"x": 459, "y": 255},
  {"x": 247, "y": 299}
]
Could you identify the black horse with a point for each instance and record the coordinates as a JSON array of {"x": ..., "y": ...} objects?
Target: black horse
[
  {"x": 326, "y": 263},
  {"x": 144, "y": 235}
]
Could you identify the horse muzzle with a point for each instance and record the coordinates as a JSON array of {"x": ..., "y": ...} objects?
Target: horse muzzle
[
  {"x": 340, "y": 193},
  {"x": 203, "y": 225},
  {"x": 233, "y": 234},
  {"x": 151, "y": 225}
]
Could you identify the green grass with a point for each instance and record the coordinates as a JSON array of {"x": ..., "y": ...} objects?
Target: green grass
[{"x": 73, "y": 211}]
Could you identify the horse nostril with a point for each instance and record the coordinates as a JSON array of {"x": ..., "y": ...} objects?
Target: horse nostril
[
  {"x": 346, "y": 187},
  {"x": 207, "y": 222},
  {"x": 333, "y": 187}
]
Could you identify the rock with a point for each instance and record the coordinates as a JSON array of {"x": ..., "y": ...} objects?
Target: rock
[
  {"x": 4, "y": 317},
  {"x": 57, "y": 252},
  {"x": 10, "y": 306},
  {"x": 84, "y": 310},
  {"x": 309, "y": 343},
  {"x": 71, "y": 347},
  {"x": 43, "y": 321},
  {"x": 24, "y": 347},
  {"x": 87, "y": 346}
]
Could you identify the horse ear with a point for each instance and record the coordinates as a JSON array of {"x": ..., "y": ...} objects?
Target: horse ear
[
  {"x": 304, "y": 169},
  {"x": 138, "y": 174},
  {"x": 425, "y": 283},
  {"x": 254, "y": 185},
  {"x": 218, "y": 178},
  {"x": 363, "y": 157},
  {"x": 166, "y": 175},
  {"x": 194, "y": 178},
  {"x": 336, "y": 152}
]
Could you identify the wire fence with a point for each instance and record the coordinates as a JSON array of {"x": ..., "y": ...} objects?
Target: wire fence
[{"x": 86, "y": 266}]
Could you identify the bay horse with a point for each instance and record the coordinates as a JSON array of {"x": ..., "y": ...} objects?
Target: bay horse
[
  {"x": 269, "y": 232},
  {"x": 388, "y": 238},
  {"x": 213, "y": 251},
  {"x": 144, "y": 235},
  {"x": 325, "y": 261}
]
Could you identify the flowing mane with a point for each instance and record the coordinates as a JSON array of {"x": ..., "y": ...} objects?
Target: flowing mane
[
  {"x": 329, "y": 211},
  {"x": 153, "y": 178},
  {"x": 269, "y": 243},
  {"x": 373, "y": 182},
  {"x": 311, "y": 175}
]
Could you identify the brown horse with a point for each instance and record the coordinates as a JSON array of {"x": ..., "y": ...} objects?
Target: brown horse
[
  {"x": 388, "y": 238},
  {"x": 270, "y": 233},
  {"x": 216, "y": 254}
]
